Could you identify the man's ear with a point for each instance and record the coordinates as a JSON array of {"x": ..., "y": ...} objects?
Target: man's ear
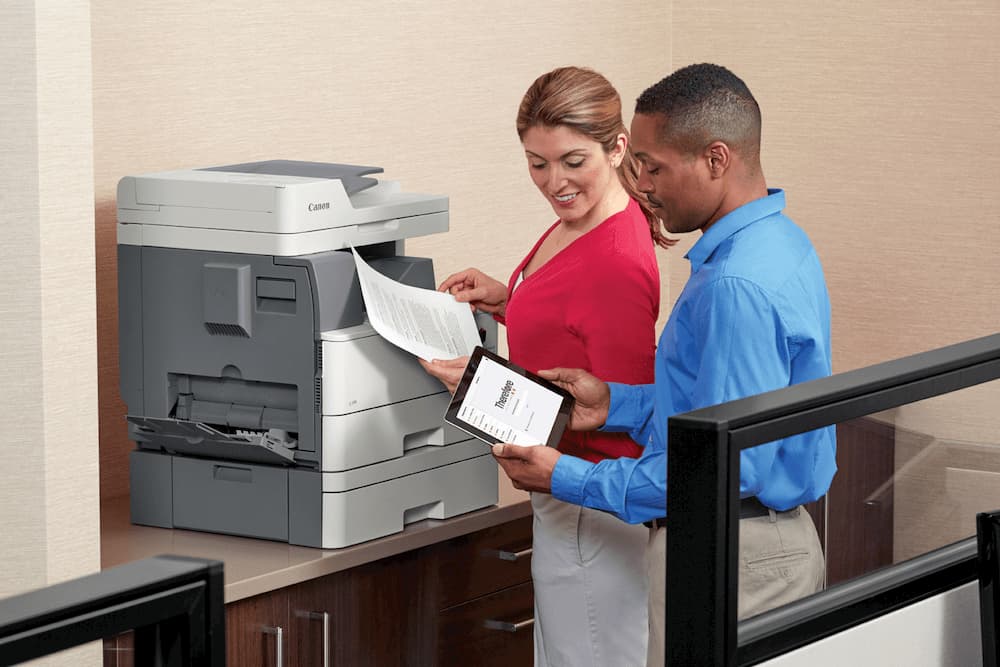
[{"x": 719, "y": 158}]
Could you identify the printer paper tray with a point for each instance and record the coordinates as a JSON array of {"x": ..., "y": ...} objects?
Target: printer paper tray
[{"x": 197, "y": 439}]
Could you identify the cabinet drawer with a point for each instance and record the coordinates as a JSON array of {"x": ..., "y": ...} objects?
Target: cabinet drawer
[
  {"x": 484, "y": 562},
  {"x": 494, "y": 630}
]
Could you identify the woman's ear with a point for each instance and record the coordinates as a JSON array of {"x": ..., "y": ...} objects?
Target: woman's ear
[{"x": 617, "y": 153}]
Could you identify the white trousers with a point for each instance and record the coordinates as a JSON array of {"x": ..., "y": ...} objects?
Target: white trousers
[{"x": 591, "y": 596}]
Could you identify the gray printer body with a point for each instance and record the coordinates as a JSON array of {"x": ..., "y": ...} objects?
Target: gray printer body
[{"x": 261, "y": 401}]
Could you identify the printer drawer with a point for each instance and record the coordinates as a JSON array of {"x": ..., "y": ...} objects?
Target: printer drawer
[{"x": 230, "y": 497}]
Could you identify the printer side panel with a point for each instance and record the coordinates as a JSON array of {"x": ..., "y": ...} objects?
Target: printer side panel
[
  {"x": 227, "y": 340},
  {"x": 130, "y": 326}
]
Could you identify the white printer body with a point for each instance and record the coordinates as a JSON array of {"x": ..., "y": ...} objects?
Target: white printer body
[{"x": 261, "y": 401}]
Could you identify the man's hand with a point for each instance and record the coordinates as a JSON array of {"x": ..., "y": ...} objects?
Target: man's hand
[
  {"x": 448, "y": 371},
  {"x": 593, "y": 398},
  {"x": 529, "y": 468}
]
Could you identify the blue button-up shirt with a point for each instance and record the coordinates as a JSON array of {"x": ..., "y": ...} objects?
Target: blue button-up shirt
[{"x": 754, "y": 316}]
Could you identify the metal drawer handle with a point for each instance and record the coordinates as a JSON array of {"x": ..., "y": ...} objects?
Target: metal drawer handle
[
  {"x": 509, "y": 626},
  {"x": 325, "y": 617},
  {"x": 279, "y": 658},
  {"x": 513, "y": 556}
]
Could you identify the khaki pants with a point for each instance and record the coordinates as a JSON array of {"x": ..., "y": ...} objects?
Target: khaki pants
[{"x": 780, "y": 561}]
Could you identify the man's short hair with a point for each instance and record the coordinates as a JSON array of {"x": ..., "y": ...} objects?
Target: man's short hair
[{"x": 705, "y": 103}]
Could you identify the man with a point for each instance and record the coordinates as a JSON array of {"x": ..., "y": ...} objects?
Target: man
[{"x": 754, "y": 316}]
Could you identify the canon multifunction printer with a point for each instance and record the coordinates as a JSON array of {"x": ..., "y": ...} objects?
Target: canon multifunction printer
[{"x": 261, "y": 402}]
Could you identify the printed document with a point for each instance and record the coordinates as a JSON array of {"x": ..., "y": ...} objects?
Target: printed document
[{"x": 424, "y": 322}]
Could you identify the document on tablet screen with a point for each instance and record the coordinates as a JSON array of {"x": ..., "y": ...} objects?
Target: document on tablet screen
[{"x": 509, "y": 406}]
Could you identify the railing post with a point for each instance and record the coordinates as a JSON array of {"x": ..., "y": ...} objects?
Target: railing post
[{"x": 702, "y": 542}]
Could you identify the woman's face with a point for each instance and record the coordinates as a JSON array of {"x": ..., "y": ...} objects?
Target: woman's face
[{"x": 572, "y": 171}]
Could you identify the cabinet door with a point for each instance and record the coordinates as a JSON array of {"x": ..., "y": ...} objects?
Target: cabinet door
[
  {"x": 257, "y": 631},
  {"x": 484, "y": 562},
  {"x": 495, "y": 630},
  {"x": 380, "y": 614}
]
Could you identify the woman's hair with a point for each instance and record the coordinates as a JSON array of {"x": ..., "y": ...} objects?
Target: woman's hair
[{"x": 586, "y": 102}]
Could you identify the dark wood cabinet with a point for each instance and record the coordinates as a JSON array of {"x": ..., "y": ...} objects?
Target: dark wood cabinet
[
  {"x": 485, "y": 598},
  {"x": 467, "y": 601},
  {"x": 257, "y": 630},
  {"x": 495, "y": 629}
]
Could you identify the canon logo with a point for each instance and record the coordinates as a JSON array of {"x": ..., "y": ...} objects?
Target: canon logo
[{"x": 322, "y": 206}]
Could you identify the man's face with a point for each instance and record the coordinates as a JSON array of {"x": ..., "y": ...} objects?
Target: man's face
[{"x": 679, "y": 187}]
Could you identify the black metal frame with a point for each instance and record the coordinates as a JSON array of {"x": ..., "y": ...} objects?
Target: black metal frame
[
  {"x": 174, "y": 604},
  {"x": 702, "y": 505},
  {"x": 988, "y": 542}
]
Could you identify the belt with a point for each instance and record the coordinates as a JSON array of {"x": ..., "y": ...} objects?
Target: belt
[{"x": 749, "y": 508}]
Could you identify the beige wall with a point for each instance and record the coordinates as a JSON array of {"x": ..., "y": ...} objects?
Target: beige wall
[
  {"x": 427, "y": 90},
  {"x": 879, "y": 119},
  {"x": 49, "y": 519}
]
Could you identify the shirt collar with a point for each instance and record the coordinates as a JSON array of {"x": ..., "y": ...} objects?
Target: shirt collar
[{"x": 733, "y": 222}]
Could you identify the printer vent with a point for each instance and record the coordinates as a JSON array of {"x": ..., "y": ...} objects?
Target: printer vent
[
  {"x": 318, "y": 379},
  {"x": 217, "y": 329}
]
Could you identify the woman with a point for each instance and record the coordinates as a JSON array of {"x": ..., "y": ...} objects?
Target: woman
[{"x": 586, "y": 296}]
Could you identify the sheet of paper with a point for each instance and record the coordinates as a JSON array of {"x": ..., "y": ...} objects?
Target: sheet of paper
[
  {"x": 427, "y": 323},
  {"x": 509, "y": 406}
]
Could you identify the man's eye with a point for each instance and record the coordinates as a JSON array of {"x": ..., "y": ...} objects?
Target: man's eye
[{"x": 653, "y": 172}]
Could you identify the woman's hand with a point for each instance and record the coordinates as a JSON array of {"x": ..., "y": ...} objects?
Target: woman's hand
[
  {"x": 474, "y": 287},
  {"x": 448, "y": 371}
]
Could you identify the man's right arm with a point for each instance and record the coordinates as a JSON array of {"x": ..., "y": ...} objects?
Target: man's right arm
[
  {"x": 634, "y": 490},
  {"x": 631, "y": 411}
]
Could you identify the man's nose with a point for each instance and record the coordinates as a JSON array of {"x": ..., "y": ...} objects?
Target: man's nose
[{"x": 644, "y": 183}]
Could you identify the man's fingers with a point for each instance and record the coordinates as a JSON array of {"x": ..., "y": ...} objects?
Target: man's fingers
[{"x": 509, "y": 451}]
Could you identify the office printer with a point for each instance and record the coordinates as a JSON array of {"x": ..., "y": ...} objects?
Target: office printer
[{"x": 260, "y": 400}]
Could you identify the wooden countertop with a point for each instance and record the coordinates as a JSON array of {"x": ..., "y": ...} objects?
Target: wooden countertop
[{"x": 254, "y": 566}]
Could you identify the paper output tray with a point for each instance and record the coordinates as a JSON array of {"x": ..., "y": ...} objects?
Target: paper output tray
[{"x": 197, "y": 439}]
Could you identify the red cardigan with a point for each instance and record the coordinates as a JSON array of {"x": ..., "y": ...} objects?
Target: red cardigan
[{"x": 592, "y": 306}]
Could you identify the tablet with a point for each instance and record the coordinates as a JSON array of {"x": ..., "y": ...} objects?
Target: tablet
[{"x": 498, "y": 401}]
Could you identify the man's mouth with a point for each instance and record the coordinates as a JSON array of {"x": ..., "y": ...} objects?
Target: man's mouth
[{"x": 654, "y": 202}]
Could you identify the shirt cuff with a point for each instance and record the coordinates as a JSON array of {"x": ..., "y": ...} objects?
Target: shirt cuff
[
  {"x": 621, "y": 416},
  {"x": 569, "y": 477}
]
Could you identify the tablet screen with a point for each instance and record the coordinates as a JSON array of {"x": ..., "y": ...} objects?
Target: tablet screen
[{"x": 498, "y": 401}]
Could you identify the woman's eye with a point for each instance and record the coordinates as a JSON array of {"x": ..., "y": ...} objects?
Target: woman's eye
[
  {"x": 538, "y": 165},
  {"x": 575, "y": 165}
]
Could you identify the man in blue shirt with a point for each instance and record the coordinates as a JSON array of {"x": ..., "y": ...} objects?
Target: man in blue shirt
[{"x": 754, "y": 316}]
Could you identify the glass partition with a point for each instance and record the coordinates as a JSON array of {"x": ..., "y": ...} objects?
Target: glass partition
[{"x": 918, "y": 455}]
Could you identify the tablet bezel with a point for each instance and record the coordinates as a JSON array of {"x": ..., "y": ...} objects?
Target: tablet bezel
[{"x": 451, "y": 414}]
